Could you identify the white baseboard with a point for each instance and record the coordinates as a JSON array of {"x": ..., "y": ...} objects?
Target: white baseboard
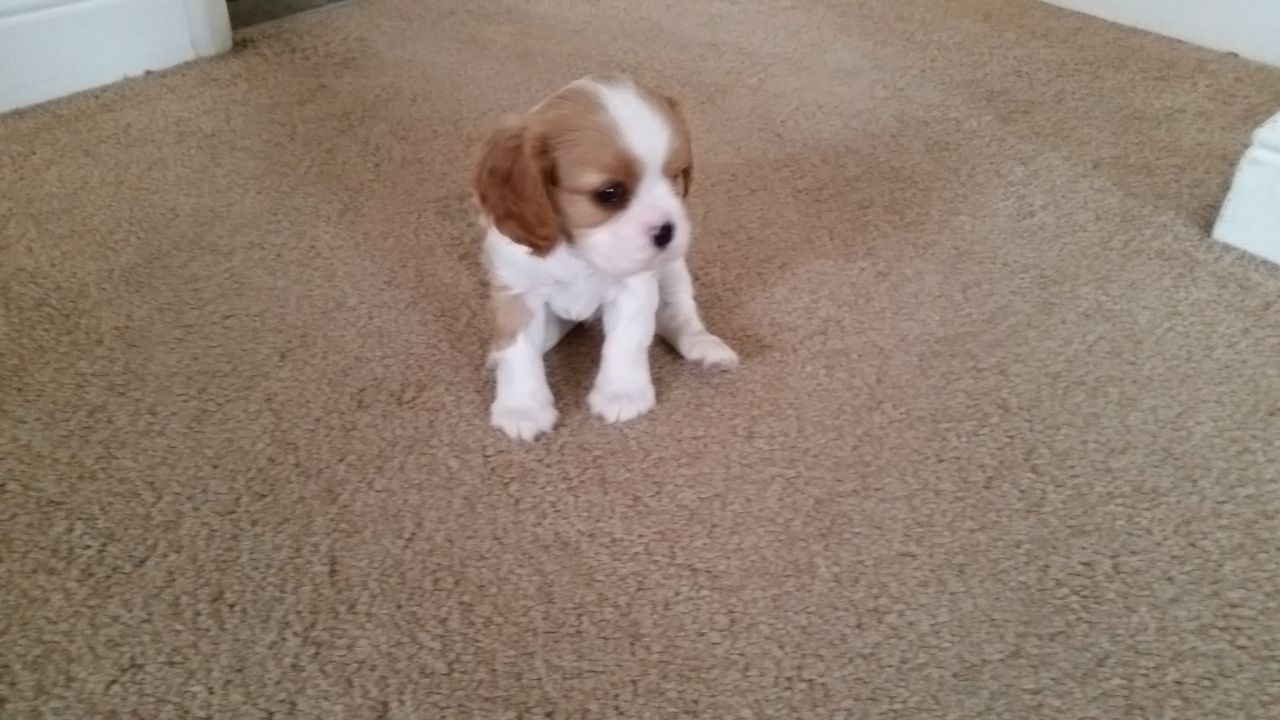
[
  {"x": 1250, "y": 28},
  {"x": 1250, "y": 216},
  {"x": 52, "y": 48}
]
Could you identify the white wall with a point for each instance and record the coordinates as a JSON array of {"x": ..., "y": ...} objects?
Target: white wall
[
  {"x": 51, "y": 48},
  {"x": 1248, "y": 27}
]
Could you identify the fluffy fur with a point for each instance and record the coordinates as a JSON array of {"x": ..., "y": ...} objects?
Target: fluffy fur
[{"x": 583, "y": 204}]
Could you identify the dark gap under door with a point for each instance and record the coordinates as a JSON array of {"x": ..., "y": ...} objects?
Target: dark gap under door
[{"x": 251, "y": 12}]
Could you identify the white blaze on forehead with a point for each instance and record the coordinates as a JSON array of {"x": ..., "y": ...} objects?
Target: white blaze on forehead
[{"x": 643, "y": 129}]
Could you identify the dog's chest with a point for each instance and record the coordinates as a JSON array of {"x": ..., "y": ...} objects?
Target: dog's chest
[
  {"x": 561, "y": 280},
  {"x": 573, "y": 291}
]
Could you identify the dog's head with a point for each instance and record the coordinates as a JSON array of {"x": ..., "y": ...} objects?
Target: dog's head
[{"x": 603, "y": 164}]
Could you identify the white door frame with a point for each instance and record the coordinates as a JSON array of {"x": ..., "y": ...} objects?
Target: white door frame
[
  {"x": 52, "y": 48},
  {"x": 1250, "y": 215}
]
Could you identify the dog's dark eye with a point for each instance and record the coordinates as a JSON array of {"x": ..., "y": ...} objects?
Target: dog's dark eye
[{"x": 611, "y": 195}]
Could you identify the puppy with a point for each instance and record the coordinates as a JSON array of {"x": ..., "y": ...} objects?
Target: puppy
[{"x": 582, "y": 199}]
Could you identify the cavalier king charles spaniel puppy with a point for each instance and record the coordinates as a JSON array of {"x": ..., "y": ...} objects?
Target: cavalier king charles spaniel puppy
[{"x": 582, "y": 199}]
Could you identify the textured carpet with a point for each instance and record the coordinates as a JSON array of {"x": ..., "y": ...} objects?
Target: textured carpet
[{"x": 1004, "y": 443}]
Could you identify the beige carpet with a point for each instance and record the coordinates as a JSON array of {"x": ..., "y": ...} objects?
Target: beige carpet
[{"x": 1006, "y": 442}]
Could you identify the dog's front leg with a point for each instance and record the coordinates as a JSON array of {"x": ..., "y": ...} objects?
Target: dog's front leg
[
  {"x": 523, "y": 406},
  {"x": 680, "y": 324},
  {"x": 624, "y": 387}
]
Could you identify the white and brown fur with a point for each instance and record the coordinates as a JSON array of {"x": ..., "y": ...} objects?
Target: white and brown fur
[{"x": 583, "y": 202}]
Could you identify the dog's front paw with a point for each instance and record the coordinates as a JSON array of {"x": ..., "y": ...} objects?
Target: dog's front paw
[
  {"x": 620, "y": 403},
  {"x": 708, "y": 350},
  {"x": 523, "y": 419}
]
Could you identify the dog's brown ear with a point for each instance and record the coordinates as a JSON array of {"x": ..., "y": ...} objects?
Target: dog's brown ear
[{"x": 510, "y": 185}]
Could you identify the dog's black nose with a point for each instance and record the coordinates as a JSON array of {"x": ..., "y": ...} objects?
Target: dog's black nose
[{"x": 662, "y": 236}]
